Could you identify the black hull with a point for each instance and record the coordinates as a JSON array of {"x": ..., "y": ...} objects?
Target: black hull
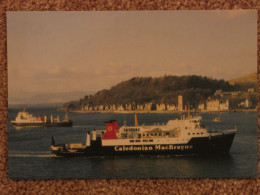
[
  {"x": 60, "y": 124},
  {"x": 220, "y": 144},
  {"x": 48, "y": 124}
]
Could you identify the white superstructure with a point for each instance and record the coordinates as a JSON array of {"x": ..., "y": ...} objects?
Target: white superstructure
[
  {"x": 25, "y": 117},
  {"x": 178, "y": 131}
]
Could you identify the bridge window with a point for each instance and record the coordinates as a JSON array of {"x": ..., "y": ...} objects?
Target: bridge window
[
  {"x": 131, "y": 140},
  {"x": 145, "y": 140},
  {"x": 137, "y": 140},
  {"x": 150, "y": 140}
]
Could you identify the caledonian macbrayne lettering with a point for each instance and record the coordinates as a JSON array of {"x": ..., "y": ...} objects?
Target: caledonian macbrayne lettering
[{"x": 151, "y": 148}]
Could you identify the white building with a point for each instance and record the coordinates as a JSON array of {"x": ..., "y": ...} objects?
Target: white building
[
  {"x": 140, "y": 107},
  {"x": 201, "y": 106},
  {"x": 224, "y": 105},
  {"x": 251, "y": 90},
  {"x": 106, "y": 108},
  {"x": 113, "y": 107},
  {"x": 128, "y": 107},
  {"x": 148, "y": 106},
  {"x": 101, "y": 107},
  {"x": 120, "y": 107},
  {"x": 213, "y": 105},
  {"x": 246, "y": 104},
  {"x": 160, "y": 107},
  {"x": 180, "y": 103},
  {"x": 216, "y": 105},
  {"x": 171, "y": 107}
]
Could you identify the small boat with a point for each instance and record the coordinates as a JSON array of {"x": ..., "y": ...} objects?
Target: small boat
[
  {"x": 176, "y": 137},
  {"x": 25, "y": 119},
  {"x": 217, "y": 119}
]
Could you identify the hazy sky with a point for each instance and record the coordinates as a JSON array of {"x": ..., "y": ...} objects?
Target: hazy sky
[{"x": 89, "y": 51}]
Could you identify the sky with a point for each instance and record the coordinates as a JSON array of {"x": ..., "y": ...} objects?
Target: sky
[{"x": 66, "y": 52}]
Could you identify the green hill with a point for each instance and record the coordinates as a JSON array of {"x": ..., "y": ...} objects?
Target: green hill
[
  {"x": 194, "y": 90},
  {"x": 250, "y": 78}
]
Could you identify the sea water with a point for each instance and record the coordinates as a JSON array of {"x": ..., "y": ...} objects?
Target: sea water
[{"x": 30, "y": 156}]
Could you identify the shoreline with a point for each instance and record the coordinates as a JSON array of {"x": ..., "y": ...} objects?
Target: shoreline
[{"x": 166, "y": 111}]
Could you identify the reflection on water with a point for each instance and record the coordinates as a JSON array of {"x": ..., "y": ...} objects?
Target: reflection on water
[{"x": 126, "y": 167}]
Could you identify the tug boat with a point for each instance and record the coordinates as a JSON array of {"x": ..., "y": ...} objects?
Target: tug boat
[
  {"x": 176, "y": 137},
  {"x": 25, "y": 119}
]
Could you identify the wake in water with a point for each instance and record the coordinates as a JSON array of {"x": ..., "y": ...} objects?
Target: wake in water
[
  {"x": 88, "y": 126},
  {"x": 32, "y": 155},
  {"x": 39, "y": 154}
]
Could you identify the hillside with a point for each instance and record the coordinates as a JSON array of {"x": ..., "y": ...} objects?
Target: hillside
[
  {"x": 250, "y": 78},
  {"x": 140, "y": 90}
]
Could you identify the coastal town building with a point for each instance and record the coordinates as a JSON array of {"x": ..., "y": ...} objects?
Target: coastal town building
[
  {"x": 201, "y": 106},
  {"x": 148, "y": 106},
  {"x": 120, "y": 107},
  {"x": 212, "y": 104},
  {"x": 251, "y": 90},
  {"x": 224, "y": 105},
  {"x": 216, "y": 105},
  {"x": 139, "y": 107},
  {"x": 160, "y": 107},
  {"x": 113, "y": 107},
  {"x": 101, "y": 107},
  {"x": 171, "y": 107},
  {"x": 107, "y": 107},
  {"x": 246, "y": 104},
  {"x": 129, "y": 107},
  {"x": 180, "y": 103}
]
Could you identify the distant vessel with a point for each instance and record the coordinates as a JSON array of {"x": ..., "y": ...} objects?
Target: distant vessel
[
  {"x": 217, "y": 119},
  {"x": 24, "y": 119},
  {"x": 176, "y": 137}
]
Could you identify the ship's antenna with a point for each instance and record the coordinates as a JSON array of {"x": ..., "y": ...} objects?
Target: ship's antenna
[
  {"x": 124, "y": 120},
  {"x": 66, "y": 115}
]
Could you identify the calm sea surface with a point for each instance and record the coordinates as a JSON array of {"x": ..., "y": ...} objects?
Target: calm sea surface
[{"x": 30, "y": 156}]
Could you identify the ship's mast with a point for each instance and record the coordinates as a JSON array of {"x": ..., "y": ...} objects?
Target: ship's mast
[
  {"x": 189, "y": 116},
  {"x": 66, "y": 116},
  {"x": 136, "y": 121}
]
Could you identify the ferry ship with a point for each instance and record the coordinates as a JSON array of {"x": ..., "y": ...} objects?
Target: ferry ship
[
  {"x": 25, "y": 119},
  {"x": 176, "y": 137}
]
